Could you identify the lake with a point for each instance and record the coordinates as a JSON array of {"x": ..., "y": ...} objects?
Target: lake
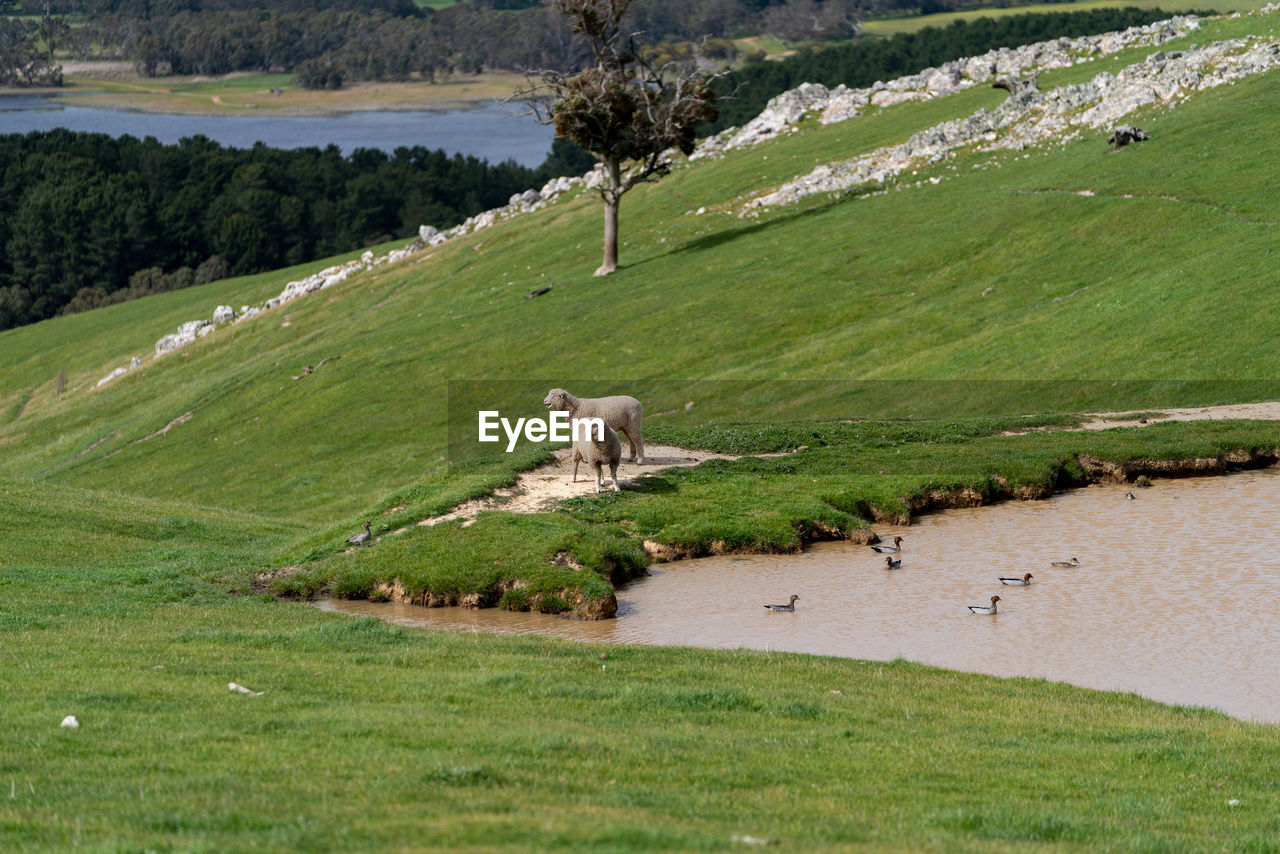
[{"x": 490, "y": 131}]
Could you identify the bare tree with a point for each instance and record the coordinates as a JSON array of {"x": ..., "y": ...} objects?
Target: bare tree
[{"x": 624, "y": 110}]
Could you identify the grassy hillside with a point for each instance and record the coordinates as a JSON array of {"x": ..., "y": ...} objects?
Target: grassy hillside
[
  {"x": 952, "y": 311},
  {"x": 1169, "y": 255}
]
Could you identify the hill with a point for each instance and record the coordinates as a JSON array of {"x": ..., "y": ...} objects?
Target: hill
[{"x": 890, "y": 337}]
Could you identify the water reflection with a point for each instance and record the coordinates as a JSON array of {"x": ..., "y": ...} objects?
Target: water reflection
[{"x": 1175, "y": 598}]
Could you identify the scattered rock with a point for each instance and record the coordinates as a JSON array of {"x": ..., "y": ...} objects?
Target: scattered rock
[
  {"x": 240, "y": 689},
  {"x": 70, "y": 722},
  {"x": 1125, "y": 134}
]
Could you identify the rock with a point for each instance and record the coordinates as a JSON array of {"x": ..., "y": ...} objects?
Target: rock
[
  {"x": 1125, "y": 134},
  {"x": 70, "y": 722},
  {"x": 426, "y": 232},
  {"x": 135, "y": 362},
  {"x": 224, "y": 314},
  {"x": 1014, "y": 86},
  {"x": 109, "y": 377},
  {"x": 781, "y": 112}
]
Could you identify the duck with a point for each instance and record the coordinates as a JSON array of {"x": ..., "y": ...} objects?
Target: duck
[
  {"x": 1075, "y": 561},
  {"x": 890, "y": 563},
  {"x": 985, "y": 609},
  {"x": 1129, "y": 496},
  {"x": 1018, "y": 582},
  {"x": 790, "y": 606},
  {"x": 885, "y": 549},
  {"x": 361, "y": 538}
]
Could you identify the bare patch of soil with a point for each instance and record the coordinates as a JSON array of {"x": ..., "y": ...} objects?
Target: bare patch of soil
[
  {"x": 543, "y": 488},
  {"x": 1268, "y": 411}
]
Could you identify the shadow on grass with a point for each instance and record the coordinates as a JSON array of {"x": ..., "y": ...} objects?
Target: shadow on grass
[{"x": 729, "y": 235}]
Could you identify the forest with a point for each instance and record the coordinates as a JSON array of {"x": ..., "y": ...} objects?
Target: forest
[
  {"x": 327, "y": 43},
  {"x": 86, "y": 220}
]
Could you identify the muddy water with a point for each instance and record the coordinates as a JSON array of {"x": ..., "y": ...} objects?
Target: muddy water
[{"x": 1177, "y": 596}]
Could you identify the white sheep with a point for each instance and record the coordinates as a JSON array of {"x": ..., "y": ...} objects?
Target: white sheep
[
  {"x": 597, "y": 452},
  {"x": 620, "y": 412}
]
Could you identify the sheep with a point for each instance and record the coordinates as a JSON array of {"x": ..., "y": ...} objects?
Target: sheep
[
  {"x": 620, "y": 412},
  {"x": 597, "y": 452}
]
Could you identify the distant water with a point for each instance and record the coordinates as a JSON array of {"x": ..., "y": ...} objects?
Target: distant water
[{"x": 491, "y": 131}]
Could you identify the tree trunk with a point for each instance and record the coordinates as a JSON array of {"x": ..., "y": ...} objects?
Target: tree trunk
[
  {"x": 610, "y": 263},
  {"x": 613, "y": 173}
]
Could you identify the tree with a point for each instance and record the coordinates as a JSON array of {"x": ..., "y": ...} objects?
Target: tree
[{"x": 624, "y": 110}]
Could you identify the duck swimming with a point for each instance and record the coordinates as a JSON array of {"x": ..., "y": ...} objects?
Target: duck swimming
[
  {"x": 985, "y": 609},
  {"x": 1018, "y": 582},
  {"x": 790, "y": 606},
  {"x": 1075, "y": 561},
  {"x": 890, "y": 563},
  {"x": 885, "y": 549}
]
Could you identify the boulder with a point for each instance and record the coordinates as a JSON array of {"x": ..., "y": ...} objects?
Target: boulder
[{"x": 224, "y": 314}]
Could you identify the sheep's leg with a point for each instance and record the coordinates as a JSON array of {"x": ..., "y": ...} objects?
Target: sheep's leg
[
  {"x": 631, "y": 443},
  {"x": 599, "y": 476},
  {"x": 613, "y": 470},
  {"x": 576, "y": 459}
]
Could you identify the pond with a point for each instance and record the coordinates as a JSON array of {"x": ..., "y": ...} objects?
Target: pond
[
  {"x": 490, "y": 131},
  {"x": 1176, "y": 596}
]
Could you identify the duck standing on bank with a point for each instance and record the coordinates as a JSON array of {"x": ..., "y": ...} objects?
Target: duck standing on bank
[
  {"x": 361, "y": 538},
  {"x": 790, "y": 606},
  {"x": 885, "y": 548},
  {"x": 1024, "y": 581},
  {"x": 985, "y": 609}
]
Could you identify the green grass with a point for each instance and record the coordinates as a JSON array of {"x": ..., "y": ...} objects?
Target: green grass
[
  {"x": 371, "y": 737},
  {"x": 856, "y": 328}
]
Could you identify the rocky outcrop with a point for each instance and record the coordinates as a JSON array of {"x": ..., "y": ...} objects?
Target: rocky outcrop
[
  {"x": 1030, "y": 117},
  {"x": 1018, "y": 65}
]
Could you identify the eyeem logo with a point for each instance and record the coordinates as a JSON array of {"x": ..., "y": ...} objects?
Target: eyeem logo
[{"x": 556, "y": 429}]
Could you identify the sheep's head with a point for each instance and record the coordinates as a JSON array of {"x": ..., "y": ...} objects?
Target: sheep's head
[{"x": 557, "y": 400}]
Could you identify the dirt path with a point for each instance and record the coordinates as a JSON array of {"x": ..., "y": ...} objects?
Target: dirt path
[
  {"x": 1268, "y": 411},
  {"x": 544, "y": 487}
]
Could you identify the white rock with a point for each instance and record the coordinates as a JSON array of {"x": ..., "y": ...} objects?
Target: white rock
[
  {"x": 224, "y": 314},
  {"x": 240, "y": 689},
  {"x": 109, "y": 377},
  {"x": 70, "y": 722},
  {"x": 426, "y": 232}
]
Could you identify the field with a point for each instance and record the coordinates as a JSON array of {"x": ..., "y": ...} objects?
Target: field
[
  {"x": 893, "y": 335},
  {"x": 247, "y": 94}
]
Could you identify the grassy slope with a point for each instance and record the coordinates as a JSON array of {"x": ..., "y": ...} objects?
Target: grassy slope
[
  {"x": 886, "y": 288},
  {"x": 371, "y": 737}
]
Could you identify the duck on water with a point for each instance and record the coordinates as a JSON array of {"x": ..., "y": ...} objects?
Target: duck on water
[
  {"x": 1018, "y": 582},
  {"x": 885, "y": 548},
  {"x": 985, "y": 609}
]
